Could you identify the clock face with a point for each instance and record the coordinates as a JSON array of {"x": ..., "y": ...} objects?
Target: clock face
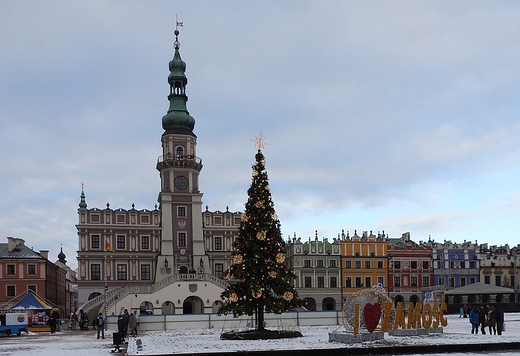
[{"x": 181, "y": 182}]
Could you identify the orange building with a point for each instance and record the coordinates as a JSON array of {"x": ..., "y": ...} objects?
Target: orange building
[{"x": 364, "y": 261}]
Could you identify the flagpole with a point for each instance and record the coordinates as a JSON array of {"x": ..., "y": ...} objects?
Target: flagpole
[{"x": 106, "y": 279}]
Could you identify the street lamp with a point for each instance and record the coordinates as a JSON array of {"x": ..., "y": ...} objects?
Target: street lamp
[{"x": 165, "y": 262}]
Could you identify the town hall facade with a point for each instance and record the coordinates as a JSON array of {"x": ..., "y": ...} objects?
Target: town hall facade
[{"x": 167, "y": 260}]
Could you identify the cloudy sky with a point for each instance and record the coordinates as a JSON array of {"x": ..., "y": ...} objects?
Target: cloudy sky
[{"x": 380, "y": 115}]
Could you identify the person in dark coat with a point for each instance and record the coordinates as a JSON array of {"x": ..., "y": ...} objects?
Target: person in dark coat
[
  {"x": 474, "y": 320},
  {"x": 52, "y": 323},
  {"x": 499, "y": 318},
  {"x": 482, "y": 319},
  {"x": 491, "y": 321}
]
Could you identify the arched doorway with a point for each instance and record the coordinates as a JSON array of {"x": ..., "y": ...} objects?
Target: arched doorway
[
  {"x": 398, "y": 298},
  {"x": 145, "y": 308},
  {"x": 93, "y": 295},
  {"x": 328, "y": 304},
  {"x": 183, "y": 269},
  {"x": 472, "y": 299},
  {"x": 193, "y": 305},
  {"x": 485, "y": 298},
  {"x": 414, "y": 299},
  {"x": 216, "y": 305},
  {"x": 309, "y": 303},
  {"x": 168, "y": 308},
  {"x": 499, "y": 298}
]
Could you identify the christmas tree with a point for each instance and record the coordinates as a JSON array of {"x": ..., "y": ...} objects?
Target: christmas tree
[{"x": 260, "y": 280}]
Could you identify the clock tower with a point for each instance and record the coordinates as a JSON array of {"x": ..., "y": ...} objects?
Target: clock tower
[{"x": 182, "y": 246}]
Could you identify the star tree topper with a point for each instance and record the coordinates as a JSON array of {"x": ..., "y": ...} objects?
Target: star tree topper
[{"x": 259, "y": 141}]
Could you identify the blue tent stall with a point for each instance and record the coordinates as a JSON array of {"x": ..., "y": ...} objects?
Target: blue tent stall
[{"x": 38, "y": 309}]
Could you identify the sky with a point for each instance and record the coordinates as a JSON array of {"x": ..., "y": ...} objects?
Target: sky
[{"x": 394, "y": 116}]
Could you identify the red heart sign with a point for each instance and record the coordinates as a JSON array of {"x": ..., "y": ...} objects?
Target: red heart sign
[{"x": 371, "y": 316}]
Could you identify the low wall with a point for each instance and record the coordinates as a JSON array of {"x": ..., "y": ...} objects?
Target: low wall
[{"x": 210, "y": 321}]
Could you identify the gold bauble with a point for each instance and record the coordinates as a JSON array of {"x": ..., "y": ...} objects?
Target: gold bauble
[
  {"x": 280, "y": 257},
  {"x": 260, "y": 235},
  {"x": 288, "y": 296},
  {"x": 238, "y": 259}
]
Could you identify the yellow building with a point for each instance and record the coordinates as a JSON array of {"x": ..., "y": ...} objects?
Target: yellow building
[{"x": 364, "y": 261}]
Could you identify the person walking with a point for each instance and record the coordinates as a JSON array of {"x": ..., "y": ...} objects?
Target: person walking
[
  {"x": 126, "y": 319},
  {"x": 474, "y": 320},
  {"x": 499, "y": 318},
  {"x": 491, "y": 321},
  {"x": 461, "y": 312},
  {"x": 482, "y": 320},
  {"x": 132, "y": 325},
  {"x": 100, "y": 322}
]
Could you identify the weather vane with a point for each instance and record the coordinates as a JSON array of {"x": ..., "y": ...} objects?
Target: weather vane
[
  {"x": 259, "y": 141},
  {"x": 176, "y": 32}
]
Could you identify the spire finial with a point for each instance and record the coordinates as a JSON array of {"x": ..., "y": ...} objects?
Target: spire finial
[{"x": 178, "y": 24}]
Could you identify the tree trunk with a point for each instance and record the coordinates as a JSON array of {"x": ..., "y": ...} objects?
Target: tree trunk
[{"x": 260, "y": 317}]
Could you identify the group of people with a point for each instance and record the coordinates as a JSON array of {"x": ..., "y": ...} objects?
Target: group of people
[
  {"x": 127, "y": 323},
  {"x": 490, "y": 316}
]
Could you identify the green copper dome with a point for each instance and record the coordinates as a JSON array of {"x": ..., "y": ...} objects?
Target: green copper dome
[{"x": 178, "y": 119}]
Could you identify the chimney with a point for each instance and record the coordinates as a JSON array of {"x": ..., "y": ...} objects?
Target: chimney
[
  {"x": 12, "y": 242},
  {"x": 44, "y": 254}
]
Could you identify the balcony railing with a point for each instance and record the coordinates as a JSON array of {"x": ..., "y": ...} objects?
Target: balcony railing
[{"x": 180, "y": 159}]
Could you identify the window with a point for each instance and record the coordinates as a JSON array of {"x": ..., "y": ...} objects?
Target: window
[
  {"x": 367, "y": 264},
  {"x": 357, "y": 264},
  {"x": 452, "y": 282},
  {"x": 425, "y": 265},
  {"x": 10, "y": 269},
  {"x": 308, "y": 282},
  {"x": 498, "y": 280},
  {"x": 472, "y": 280},
  {"x": 218, "y": 243},
  {"x": 487, "y": 279},
  {"x": 145, "y": 242},
  {"x": 413, "y": 264},
  {"x": 348, "y": 264},
  {"x": 33, "y": 288},
  {"x": 426, "y": 281},
  {"x": 332, "y": 263},
  {"x": 120, "y": 242},
  {"x": 413, "y": 282},
  {"x": 182, "y": 239},
  {"x": 306, "y": 263},
  {"x": 381, "y": 281},
  {"x": 319, "y": 263},
  {"x": 219, "y": 270},
  {"x": 145, "y": 272},
  {"x": 380, "y": 264},
  {"x": 31, "y": 269},
  {"x": 333, "y": 282},
  {"x": 462, "y": 264},
  {"x": 462, "y": 281},
  {"x": 94, "y": 241},
  {"x": 121, "y": 272},
  {"x": 472, "y": 264},
  {"x": 397, "y": 265},
  {"x": 368, "y": 282},
  {"x": 359, "y": 283},
  {"x": 321, "y": 282},
  {"x": 95, "y": 272},
  {"x": 397, "y": 281},
  {"x": 348, "y": 282},
  {"x": 11, "y": 291},
  {"x": 179, "y": 153},
  {"x": 441, "y": 281},
  {"x": 181, "y": 211}
]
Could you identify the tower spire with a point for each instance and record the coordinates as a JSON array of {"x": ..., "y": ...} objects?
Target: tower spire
[{"x": 178, "y": 120}]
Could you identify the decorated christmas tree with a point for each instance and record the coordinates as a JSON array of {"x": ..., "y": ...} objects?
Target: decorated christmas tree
[{"x": 260, "y": 280}]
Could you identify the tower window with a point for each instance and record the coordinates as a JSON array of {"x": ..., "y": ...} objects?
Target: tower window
[
  {"x": 121, "y": 242},
  {"x": 145, "y": 242},
  {"x": 182, "y": 239},
  {"x": 145, "y": 272},
  {"x": 218, "y": 243},
  {"x": 219, "y": 270},
  {"x": 181, "y": 211},
  {"x": 179, "y": 153}
]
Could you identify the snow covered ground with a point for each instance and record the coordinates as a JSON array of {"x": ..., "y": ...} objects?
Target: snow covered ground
[{"x": 458, "y": 331}]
